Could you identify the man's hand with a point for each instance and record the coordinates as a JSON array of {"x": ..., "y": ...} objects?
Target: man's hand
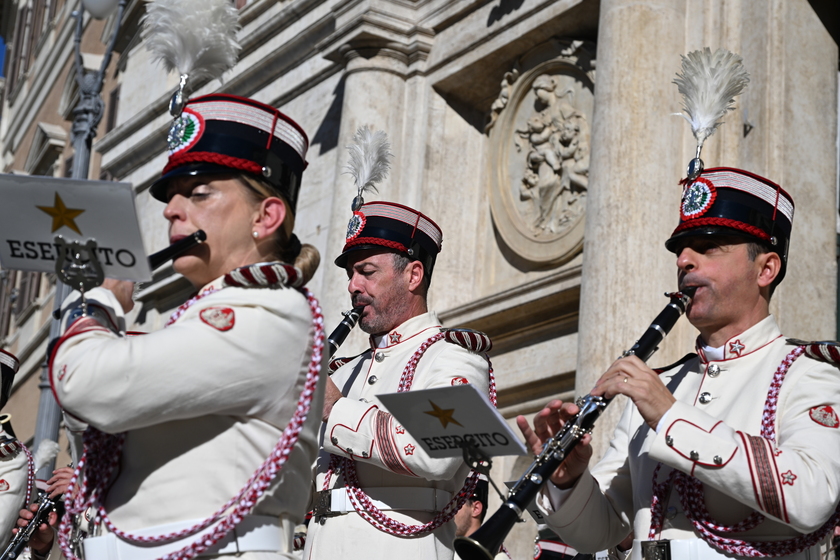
[
  {"x": 630, "y": 376},
  {"x": 123, "y": 290},
  {"x": 42, "y": 539},
  {"x": 59, "y": 482},
  {"x": 331, "y": 396},
  {"x": 547, "y": 423}
]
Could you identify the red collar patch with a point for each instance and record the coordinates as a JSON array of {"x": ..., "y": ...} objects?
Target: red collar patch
[
  {"x": 220, "y": 318},
  {"x": 736, "y": 347},
  {"x": 395, "y": 337}
]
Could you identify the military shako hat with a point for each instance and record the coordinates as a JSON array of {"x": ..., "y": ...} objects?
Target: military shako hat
[
  {"x": 726, "y": 201},
  {"x": 9, "y": 365},
  {"x": 393, "y": 226},
  {"x": 222, "y": 133}
]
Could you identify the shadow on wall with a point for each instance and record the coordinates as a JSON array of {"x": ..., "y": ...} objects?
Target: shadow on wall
[
  {"x": 505, "y": 7},
  {"x": 327, "y": 134}
]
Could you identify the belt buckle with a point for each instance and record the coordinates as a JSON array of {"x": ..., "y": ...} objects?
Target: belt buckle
[
  {"x": 656, "y": 550},
  {"x": 323, "y": 505}
]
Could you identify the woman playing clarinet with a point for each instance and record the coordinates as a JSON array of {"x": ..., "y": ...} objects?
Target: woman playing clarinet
[{"x": 200, "y": 440}]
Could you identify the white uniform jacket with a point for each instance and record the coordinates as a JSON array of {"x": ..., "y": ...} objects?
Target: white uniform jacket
[
  {"x": 388, "y": 459},
  {"x": 14, "y": 470},
  {"x": 203, "y": 402},
  {"x": 713, "y": 433}
]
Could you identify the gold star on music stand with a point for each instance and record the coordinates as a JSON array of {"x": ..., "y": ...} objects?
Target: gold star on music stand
[
  {"x": 444, "y": 415},
  {"x": 61, "y": 215}
]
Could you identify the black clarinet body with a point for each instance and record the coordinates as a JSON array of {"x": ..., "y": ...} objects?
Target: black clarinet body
[
  {"x": 160, "y": 258},
  {"x": 487, "y": 540},
  {"x": 339, "y": 335},
  {"x": 18, "y": 542}
]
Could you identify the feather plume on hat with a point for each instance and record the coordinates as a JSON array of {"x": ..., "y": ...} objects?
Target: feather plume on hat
[
  {"x": 708, "y": 84},
  {"x": 369, "y": 161},
  {"x": 195, "y": 37},
  {"x": 46, "y": 452}
]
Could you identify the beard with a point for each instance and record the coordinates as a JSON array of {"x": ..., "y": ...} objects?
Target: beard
[{"x": 384, "y": 312}]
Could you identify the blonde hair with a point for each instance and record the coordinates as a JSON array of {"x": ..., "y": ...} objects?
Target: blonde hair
[{"x": 287, "y": 246}]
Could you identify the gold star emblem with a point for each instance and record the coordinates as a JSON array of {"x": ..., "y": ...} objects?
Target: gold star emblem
[
  {"x": 61, "y": 215},
  {"x": 445, "y": 416}
]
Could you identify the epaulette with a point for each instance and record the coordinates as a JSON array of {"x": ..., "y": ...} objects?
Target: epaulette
[
  {"x": 9, "y": 446},
  {"x": 336, "y": 363},
  {"x": 681, "y": 361},
  {"x": 474, "y": 341},
  {"x": 824, "y": 351}
]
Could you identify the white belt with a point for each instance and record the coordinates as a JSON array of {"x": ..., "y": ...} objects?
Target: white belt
[
  {"x": 336, "y": 501},
  {"x": 554, "y": 547},
  {"x": 698, "y": 549},
  {"x": 254, "y": 533}
]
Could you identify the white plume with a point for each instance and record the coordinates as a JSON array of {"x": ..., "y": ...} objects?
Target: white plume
[
  {"x": 709, "y": 83},
  {"x": 194, "y": 37},
  {"x": 46, "y": 452},
  {"x": 369, "y": 159}
]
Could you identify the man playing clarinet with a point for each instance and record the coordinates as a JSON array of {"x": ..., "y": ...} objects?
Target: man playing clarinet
[
  {"x": 735, "y": 450},
  {"x": 380, "y": 494}
]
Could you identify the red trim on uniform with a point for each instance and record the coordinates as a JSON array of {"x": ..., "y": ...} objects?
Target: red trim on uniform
[
  {"x": 766, "y": 477},
  {"x": 402, "y": 340},
  {"x": 387, "y": 445},
  {"x": 355, "y": 430},
  {"x": 184, "y": 158},
  {"x": 66, "y": 336},
  {"x": 723, "y": 222},
  {"x": 375, "y": 241},
  {"x": 764, "y": 180}
]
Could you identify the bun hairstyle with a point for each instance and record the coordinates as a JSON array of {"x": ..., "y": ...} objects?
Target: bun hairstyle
[{"x": 287, "y": 246}]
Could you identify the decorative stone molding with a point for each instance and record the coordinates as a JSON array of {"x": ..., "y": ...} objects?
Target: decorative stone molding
[{"x": 539, "y": 152}]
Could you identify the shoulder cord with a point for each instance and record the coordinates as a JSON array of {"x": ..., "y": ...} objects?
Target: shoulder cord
[
  {"x": 692, "y": 497},
  {"x": 362, "y": 502},
  {"x": 102, "y": 453}
]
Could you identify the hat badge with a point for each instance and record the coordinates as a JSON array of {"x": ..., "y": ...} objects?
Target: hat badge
[
  {"x": 185, "y": 131},
  {"x": 697, "y": 198},
  {"x": 355, "y": 225}
]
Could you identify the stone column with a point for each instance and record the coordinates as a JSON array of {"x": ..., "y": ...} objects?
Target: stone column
[
  {"x": 637, "y": 159},
  {"x": 377, "y": 59}
]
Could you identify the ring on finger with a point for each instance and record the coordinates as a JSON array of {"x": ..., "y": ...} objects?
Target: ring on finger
[{"x": 625, "y": 380}]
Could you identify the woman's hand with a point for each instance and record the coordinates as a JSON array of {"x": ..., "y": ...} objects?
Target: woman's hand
[{"x": 123, "y": 290}]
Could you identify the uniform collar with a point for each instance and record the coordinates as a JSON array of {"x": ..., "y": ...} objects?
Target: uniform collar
[
  {"x": 406, "y": 331},
  {"x": 754, "y": 338}
]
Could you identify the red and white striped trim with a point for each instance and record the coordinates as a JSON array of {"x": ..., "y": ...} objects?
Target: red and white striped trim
[
  {"x": 406, "y": 215},
  {"x": 748, "y": 184},
  {"x": 9, "y": 360},
  {"x": 271, "y": 123},
  {"x": 474, "y": 341}
]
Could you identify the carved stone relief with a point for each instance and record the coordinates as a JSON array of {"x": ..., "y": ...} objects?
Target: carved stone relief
[{"x": 539, "y": 166}]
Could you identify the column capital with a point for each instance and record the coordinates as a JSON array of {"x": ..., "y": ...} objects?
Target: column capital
[{"x": 370, "y": 36}]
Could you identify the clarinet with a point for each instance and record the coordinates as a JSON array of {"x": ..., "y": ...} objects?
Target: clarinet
[
  {"x": 343, "y": 329},
  {"x": 487, "y": 540},
  {"x": 45, "y": 506},
  {"x": 158, "y": 259}
]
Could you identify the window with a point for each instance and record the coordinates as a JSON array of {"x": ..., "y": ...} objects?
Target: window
[
  {"x": 28, "y": 291},
  {"x": 8, "y": 294},
  {"x": 113, "y": 106}
]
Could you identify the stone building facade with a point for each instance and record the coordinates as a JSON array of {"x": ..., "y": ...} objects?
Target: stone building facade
[{"x": 537, "y": 133}]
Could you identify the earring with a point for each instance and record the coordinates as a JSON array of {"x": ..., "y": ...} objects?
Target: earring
[{"x": 256, "y": 235}]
